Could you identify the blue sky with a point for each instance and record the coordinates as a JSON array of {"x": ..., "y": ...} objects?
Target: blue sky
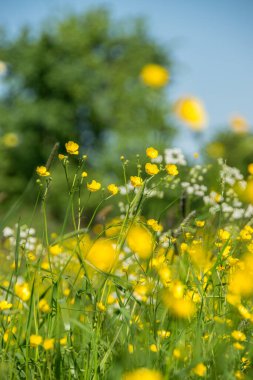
[{"x": 211, "y": 42}]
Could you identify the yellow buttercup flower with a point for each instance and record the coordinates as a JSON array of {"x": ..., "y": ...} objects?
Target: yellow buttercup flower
[
  {"x": 4, "y": 305},
  {"x": 72, "y": 147},
  {"x": 63, "y": 341},
  {"x": 140, "y": 241},
  {"x": 151, "y": 152},
  {"x": 239, "y": 124},
  {"x": 48, "y": 344},
  {"x": 143, "y": 374},
  {"x": 42, "y": 171},
  {"x": 250, "y": 168},
  {"x": 102, "y": 255},
  {"x": 238, "y": 335},
  {"x": 171, "y": 169},
  {"x": 199, "y": 370},
  {"x": 151, "y": 169},
  {"x": 136, "y": 181},
  {"x": 84, "y": 174},
  {"x": 35, "y": 340},
  {"x": 44, "y": 306},
  {"x": 155, "y": 225},
  {"x": 113, "y": 189},
  {"x": 154, "y": 75},
  {"x": 200, "y": 223},
  {"x": 192, "y": 112},
  {"x": 93, "y": 186},
  {"x": 23, "y": 291}
]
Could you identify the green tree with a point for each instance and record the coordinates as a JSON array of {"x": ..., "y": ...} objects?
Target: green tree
[{"x": 79, "y": 79}]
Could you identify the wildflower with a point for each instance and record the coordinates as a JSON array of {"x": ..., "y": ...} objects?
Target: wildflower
[
  {"x": 101, "y": 306},
  {"x": 23, "y": 291},
  {"x": 238, "y": 346},
  {"x": 102, "y": 255},
  {"x": 113, "y": 189},
  {"x": 62, "y": 157},
  {"x": 239, "y": 124},
  {"x": 199, "y": 370},
  {"x": 180, "y": 307},
  {"x": 136, "y": 181},
  {"x": 63, "y": 341},
  {"x": 250, "y": 168},
  {"x": 200, "y": 223},
  {"x": 44, "y": 306},
  {"x": 130, "y": 348},
  {"x": 140, "y": 241},
  {"x": 4, "y": 305},
  {"x": 154, "y": 75},
  {"x": 196, "y": 155},
  {"x": 223, "y": 234},
  {"x": 143, "y": 373},
  {"x": 238, "y": 335},
  {"x": 151, "y": 152},
  {"x": 35, "y": 340},
  {"x": 48, "y": 344},
  {"x": 42, "y": 171},
  {"x": 153, "y": 348},
  {"x": 176, "y": 353},
  {"x": 155, "y": 225},
  {"x": 93, "y": 186},
  {"x": 72, "y": 147},
  {"x": 163, "y": 334},
  {"x": 171, "y": 169},
  {"x": 239, "y": 375},
  {"x": 84, "y": 174},
  {"x": 10, "y": 140},
  {"x": 55, "y": 249},
  {"x": 151, "y": 169},
  {"x": 191, "y": 111}
]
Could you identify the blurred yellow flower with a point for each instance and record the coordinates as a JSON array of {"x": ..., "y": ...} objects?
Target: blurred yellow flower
[
  {"x": 48, "y": 344},
  {"x": 84, "y": 174},
  {"x": 113, "y": 189},
  {"x": 154, "y": 75},
  {"x": 10, "y": 140},
  {"x": 4, "y": 305},
  {"x": 136, "y": 181},
  {"x": 102, "y": 255},
  {"x": 93, "y": 186},
  {"x": 62, "y": 157},
  {"x": 35, "y": 340},
  {"x": 23, "y": 291},
  {"x": 250, "y": 168},
  {"x": 179, "y": 307},
  {"x": 239, "y": 124},
  {"x": 238, "y": 335},
  {"x": 151, "y": 169},
  {"x": 44, "y": 306},
  {"x": 199, "y": 370},
  {"x": 171, "y": 169},
  {"x": 42, "y": 171},
  {"x": 151, "y": 152},
  {"x": 72, "y": 147},
  {"x": 143, "y": 374},
  {"x": 192, "y": 112},
  {"x": 155, "y": 225},
  {"x": 140, "y": 241}
]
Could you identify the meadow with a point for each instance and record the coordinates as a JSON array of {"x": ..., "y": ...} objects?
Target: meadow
[{"x": 134, "y": 296}]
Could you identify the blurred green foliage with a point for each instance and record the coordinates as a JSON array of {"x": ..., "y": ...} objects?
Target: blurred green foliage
[{"x": 79, "y": 79}]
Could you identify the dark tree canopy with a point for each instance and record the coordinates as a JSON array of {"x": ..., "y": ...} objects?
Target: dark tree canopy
[{"x": 80, "y": 80}]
